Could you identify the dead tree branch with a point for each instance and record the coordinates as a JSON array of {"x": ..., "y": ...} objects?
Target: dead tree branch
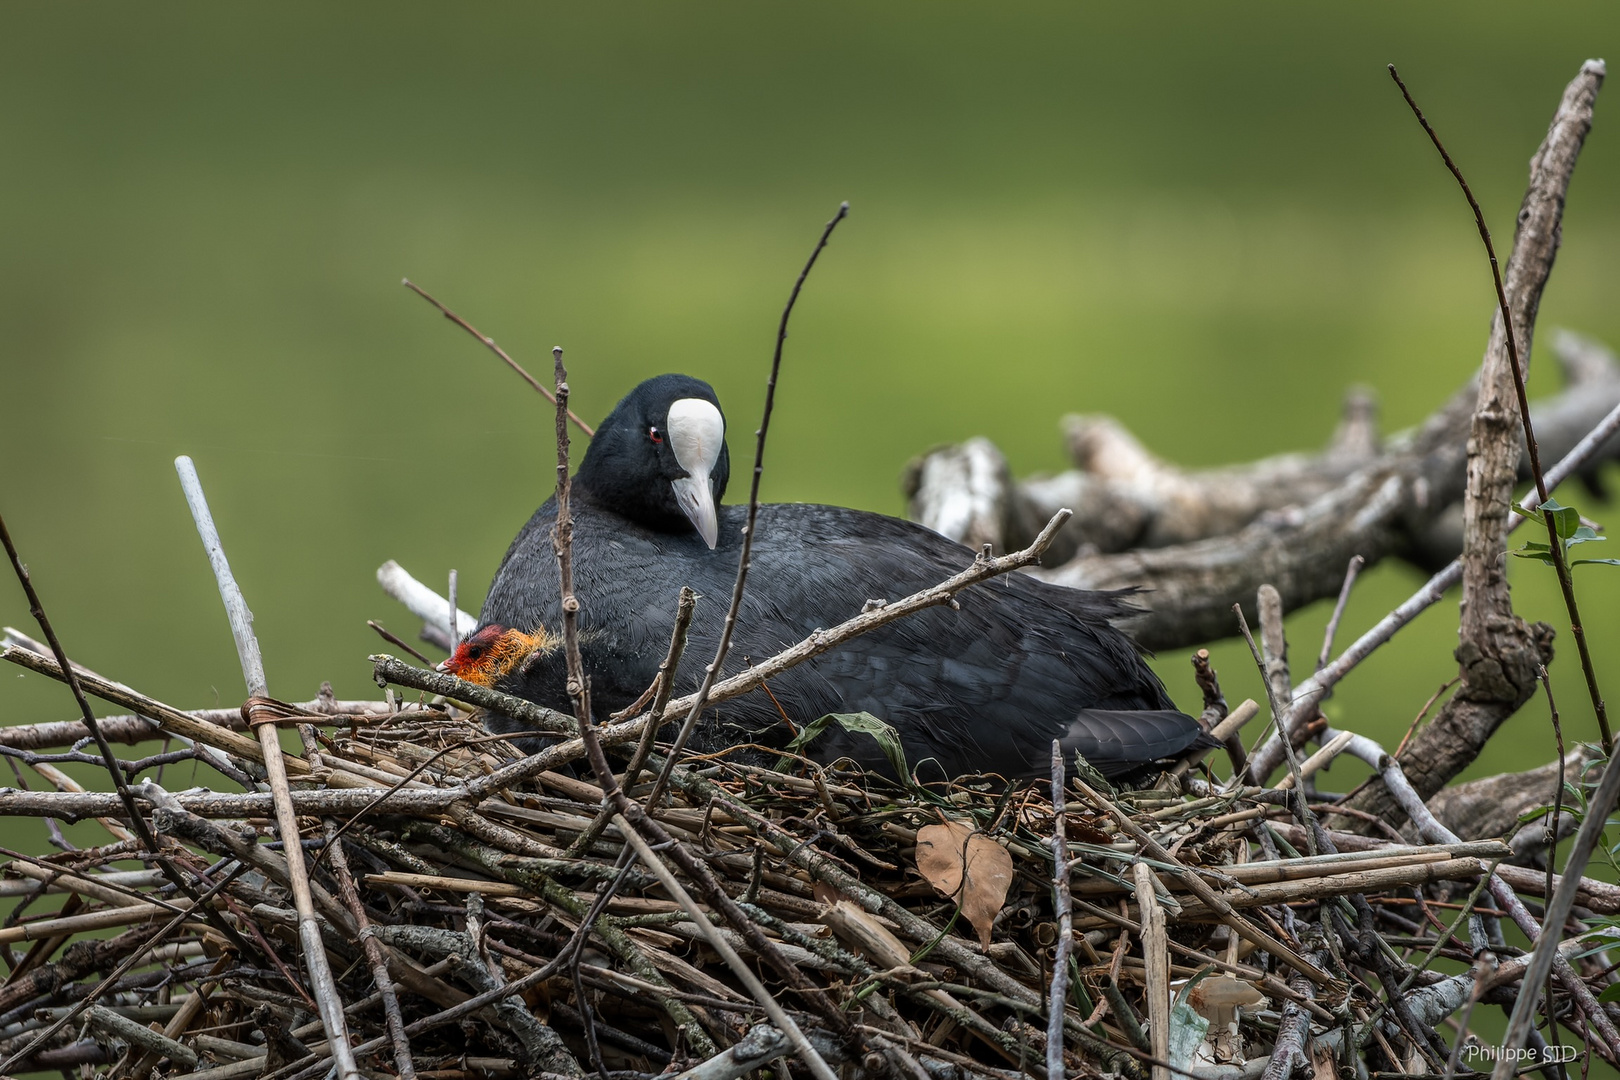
[
  {"x": 1499, "y": 654},
  {"x": 1204, "y": 540}
]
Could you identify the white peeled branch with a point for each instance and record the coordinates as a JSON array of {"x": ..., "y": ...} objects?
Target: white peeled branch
[{"x": 422, "y": 601}]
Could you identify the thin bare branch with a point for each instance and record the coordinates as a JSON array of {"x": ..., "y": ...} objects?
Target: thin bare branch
[
  {"x": 712, "y": 672},
  {"x": 489, "y": 343}
]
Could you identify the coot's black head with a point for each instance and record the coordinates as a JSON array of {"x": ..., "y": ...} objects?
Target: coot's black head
[{"x": 660, "y": 457}]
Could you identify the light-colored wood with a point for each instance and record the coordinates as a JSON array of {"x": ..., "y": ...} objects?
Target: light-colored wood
[{"x": 1156, "y": 956}]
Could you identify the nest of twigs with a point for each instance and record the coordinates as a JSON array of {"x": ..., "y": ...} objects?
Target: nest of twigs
[{"x": 896, "y": 930}]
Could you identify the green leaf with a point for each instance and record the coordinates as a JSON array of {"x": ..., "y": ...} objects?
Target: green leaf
[
  {"x": 1529, "y": 551},
  {"x": 861, "y": 723},
  {"x": 1610, "y": 994},
  {"x": 1596, "y": 562},
  {"x": 1583, "y": 535},
  {"x": 1566, "y": 519}
]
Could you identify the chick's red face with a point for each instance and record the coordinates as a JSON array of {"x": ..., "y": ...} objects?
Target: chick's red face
[
  {"x": 489, "y": 655},
  {"x": 472, "y": 657}
]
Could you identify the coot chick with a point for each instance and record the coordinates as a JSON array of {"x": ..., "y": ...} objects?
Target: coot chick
[{"x": 984, "y": 688}]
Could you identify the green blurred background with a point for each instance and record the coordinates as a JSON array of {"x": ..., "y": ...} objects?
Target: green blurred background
[{"x": 1206, "y": 220}]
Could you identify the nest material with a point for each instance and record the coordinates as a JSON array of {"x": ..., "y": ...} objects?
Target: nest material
[{"x": 848, "y": 877}]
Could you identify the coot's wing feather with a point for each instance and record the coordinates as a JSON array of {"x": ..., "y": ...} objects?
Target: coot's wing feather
[{"x": 982, "y": 687}]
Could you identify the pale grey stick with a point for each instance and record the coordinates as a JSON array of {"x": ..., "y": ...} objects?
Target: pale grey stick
[
  {"x": 247, "y": 649},
  {"x": 419, "y": 599},
  {"x": 1350, "y": 572},
  {"x": 134, "y": 1032},
  {"x": 455, "y": 623},
  {"x": 77, "y": 805},
  {"x": 1156, "y": 957},
  {"x": 236, "y": 609},
  {"x": 762, "y": 1044}
]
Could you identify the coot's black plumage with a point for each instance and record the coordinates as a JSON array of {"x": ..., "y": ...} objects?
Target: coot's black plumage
[{"x": 982, "y": 689}]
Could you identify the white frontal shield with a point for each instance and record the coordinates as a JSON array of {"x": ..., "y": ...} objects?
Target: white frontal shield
[{"x": 697, "y": 433}]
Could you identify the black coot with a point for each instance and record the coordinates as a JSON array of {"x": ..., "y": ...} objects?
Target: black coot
[{"x": 982, "y": 689}]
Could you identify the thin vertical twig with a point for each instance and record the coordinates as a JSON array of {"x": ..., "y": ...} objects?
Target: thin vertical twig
[
  {"x": 1156, "y": 958},
  {"x": 613, "y": 794},
  {"x": 455, "y": 631},
  {"x": 1279, "y": 715},
  {"x": 489, "y": 343},
  {"x": 562, "y": 542},
  {"x": 1065, "y": 942},
  {"x": 712, "y": 672},
  {"x": 578, "y": 687},
  {"x": 684, "y": 606},
  {"x": 1350, "y": 572},
  {"x": 1555, "y": 543},
  {"x": 1545, "y": 954}
]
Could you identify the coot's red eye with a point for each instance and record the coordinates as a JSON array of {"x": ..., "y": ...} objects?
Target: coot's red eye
[{"x": 655, "y": 435}]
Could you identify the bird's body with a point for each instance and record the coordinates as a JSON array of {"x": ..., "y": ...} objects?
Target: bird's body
[{"x": 980, "y": 688}]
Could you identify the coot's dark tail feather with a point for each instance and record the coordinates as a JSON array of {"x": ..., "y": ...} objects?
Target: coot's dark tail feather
[
  {"x": 1108, "y": 605},
  {"x": 1104, "y": 604},
  {"x": 1116, "y": 743}
]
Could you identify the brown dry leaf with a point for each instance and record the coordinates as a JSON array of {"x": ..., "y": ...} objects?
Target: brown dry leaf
[{"x": 969, "y": 867}]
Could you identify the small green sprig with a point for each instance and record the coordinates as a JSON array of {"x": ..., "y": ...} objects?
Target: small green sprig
[{"x": 1567, "y": 523}]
